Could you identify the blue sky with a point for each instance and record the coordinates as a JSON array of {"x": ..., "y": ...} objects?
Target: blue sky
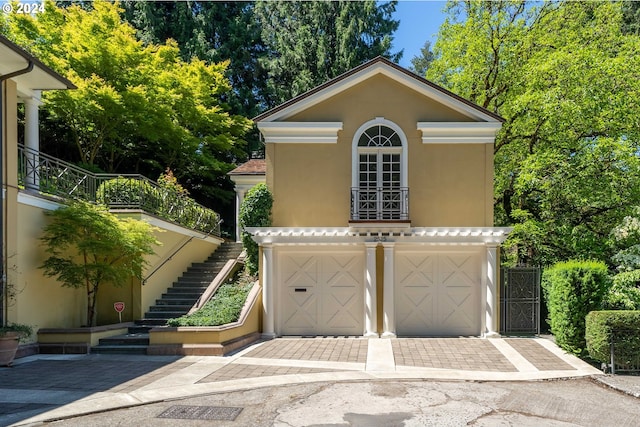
[{"x": 419, "y": 22}]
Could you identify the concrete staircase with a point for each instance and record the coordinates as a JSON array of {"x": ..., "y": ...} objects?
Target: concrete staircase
[{"x": 176, "y": 302}]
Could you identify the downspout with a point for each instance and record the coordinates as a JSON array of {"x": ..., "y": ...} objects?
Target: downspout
[{"x": 3, "y": 278}]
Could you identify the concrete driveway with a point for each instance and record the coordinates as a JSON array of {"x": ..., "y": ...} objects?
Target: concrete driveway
[{"x": 49, "y": 387}]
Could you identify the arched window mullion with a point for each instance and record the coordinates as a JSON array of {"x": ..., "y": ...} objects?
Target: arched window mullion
[{"x": 380, "y": 175}]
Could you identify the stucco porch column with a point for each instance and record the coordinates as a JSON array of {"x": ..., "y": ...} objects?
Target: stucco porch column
[
  {"x": 388, "y": 307},
  {"x": 268, "y": 326},
  {"x": 491, "y": 280},
  {"x": 241, "y": 191},
  {"x": 370, "y": 300},
  {"x": 32, "y": 140}
]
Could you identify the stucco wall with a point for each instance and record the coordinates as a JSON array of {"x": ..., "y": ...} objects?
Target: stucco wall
[
  {"x": 449, "y": 184},
  {"x": 42, "y": 303}
]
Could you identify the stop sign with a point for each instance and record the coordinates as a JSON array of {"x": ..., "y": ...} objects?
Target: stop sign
[{"x": 119, "y": 306}]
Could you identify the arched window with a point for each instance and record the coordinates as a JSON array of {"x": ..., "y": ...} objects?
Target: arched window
[{"x": 379, "y": 181}]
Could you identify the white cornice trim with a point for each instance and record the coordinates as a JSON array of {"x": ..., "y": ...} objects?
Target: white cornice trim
[
  {"x": 300, "y": 132},
  {"x": 459, "y": 132},
  {"x": 347, "y": 235}
]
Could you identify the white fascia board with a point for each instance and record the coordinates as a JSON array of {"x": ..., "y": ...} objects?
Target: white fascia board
[
  {"x": 300, "y": 132},
  {"x": 248, "y": 180},
  {"x": 459, "y": 132},
  {"x": 347, "y": 235}
]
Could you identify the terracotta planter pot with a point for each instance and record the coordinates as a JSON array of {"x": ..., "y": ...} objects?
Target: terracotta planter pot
[{"x": 8, "y": 348}]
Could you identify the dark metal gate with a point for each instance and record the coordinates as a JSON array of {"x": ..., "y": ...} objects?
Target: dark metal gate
[{"x": 520, "y": 301}]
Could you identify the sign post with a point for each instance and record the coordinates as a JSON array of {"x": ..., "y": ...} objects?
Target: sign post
[{"x": 119, "y": 307}]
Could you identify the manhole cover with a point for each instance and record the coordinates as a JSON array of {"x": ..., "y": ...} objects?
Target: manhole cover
[{"x": 184, "y": 412}]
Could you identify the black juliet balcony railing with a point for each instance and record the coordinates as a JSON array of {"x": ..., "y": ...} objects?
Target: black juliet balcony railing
[
  {"x": 380, "y": 204},
  {"x": 49, "y": 175}
]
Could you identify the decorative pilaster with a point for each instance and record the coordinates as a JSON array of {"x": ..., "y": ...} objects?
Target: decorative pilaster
[
  {"x": 370, "y": 300},
  {"x": 268, "y": 282},
  {"x": 491, "y": 278},
  {"x": 388, "y": 305}
]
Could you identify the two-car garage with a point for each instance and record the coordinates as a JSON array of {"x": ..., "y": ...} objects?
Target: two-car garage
[{"x": 320, "y": 290}]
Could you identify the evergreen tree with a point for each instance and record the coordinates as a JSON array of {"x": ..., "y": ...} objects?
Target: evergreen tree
[
  {"x": 420, "y": 64},
  {"x": 310, "y": 42}
]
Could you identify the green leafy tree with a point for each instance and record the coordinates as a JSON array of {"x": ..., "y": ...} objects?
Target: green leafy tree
[
  {"x": 563, "y": 75},
  {"x": 255, "y": 211},
  {"x": 89, "y": 246},
  {"x": 138, "y": 108},
  {"x": 624, "y": 294},
  {"x": 310, "y": 42}
]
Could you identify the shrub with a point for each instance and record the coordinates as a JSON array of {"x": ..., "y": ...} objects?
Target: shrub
[
  {"x": 600, "y": 329},
  {"x": 254, "y": 212},
  {"x": 128, "y": 193},
  {"x": 225, "y": 306},
  {"x": 572, "y": 289}
]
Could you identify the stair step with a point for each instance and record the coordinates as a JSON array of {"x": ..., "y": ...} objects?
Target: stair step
[
  {"x": 151, "y": 322},
  {"x": 126, "y": 340},
  {"x": 199, "y": 280},
  {"x": 186, "y": 290},
  {"x": 170, "y": 308},
  {"x": 139, "y": 329},
  {"x": 119, "y": 349},
  {"x": 171, "y": 302},
  {"x": 164, "y": 314}
]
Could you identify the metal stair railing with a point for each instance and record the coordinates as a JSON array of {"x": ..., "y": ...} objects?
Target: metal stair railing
[{"x": 50, "y": 175}]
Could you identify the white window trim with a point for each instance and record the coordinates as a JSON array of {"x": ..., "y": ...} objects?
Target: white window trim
[
  {"x": 300, "y": 132},
  {"x": 459, "y": 132},
  {"x": 355, "y": 150}
]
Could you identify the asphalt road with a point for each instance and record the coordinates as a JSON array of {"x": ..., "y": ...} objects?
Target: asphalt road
[{"x": 567, "y": 402}]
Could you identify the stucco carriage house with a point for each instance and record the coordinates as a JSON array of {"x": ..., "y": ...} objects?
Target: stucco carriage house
[{"x": 382, "y": 223}]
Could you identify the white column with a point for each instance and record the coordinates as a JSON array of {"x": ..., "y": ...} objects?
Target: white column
[
  {"x": 370, "y": 300},
  {"x": 32, "y": 140},
  {"x": 389, "y": 320},
  {"x": 240, "y": 193},
  {"x": 268, "y": 319},
  {"x": 491, "y": 310}
]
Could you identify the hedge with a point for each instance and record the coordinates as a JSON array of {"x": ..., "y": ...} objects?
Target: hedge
[
  {"x": 572, "y": 289},
  {"x": 600, "y": 328},
  {"x": 255, "y": 211}
]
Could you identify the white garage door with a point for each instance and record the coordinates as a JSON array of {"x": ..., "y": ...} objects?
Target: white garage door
[
  {"x": 437, "y": 293},
  {"x": 321, "y": 291}
]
